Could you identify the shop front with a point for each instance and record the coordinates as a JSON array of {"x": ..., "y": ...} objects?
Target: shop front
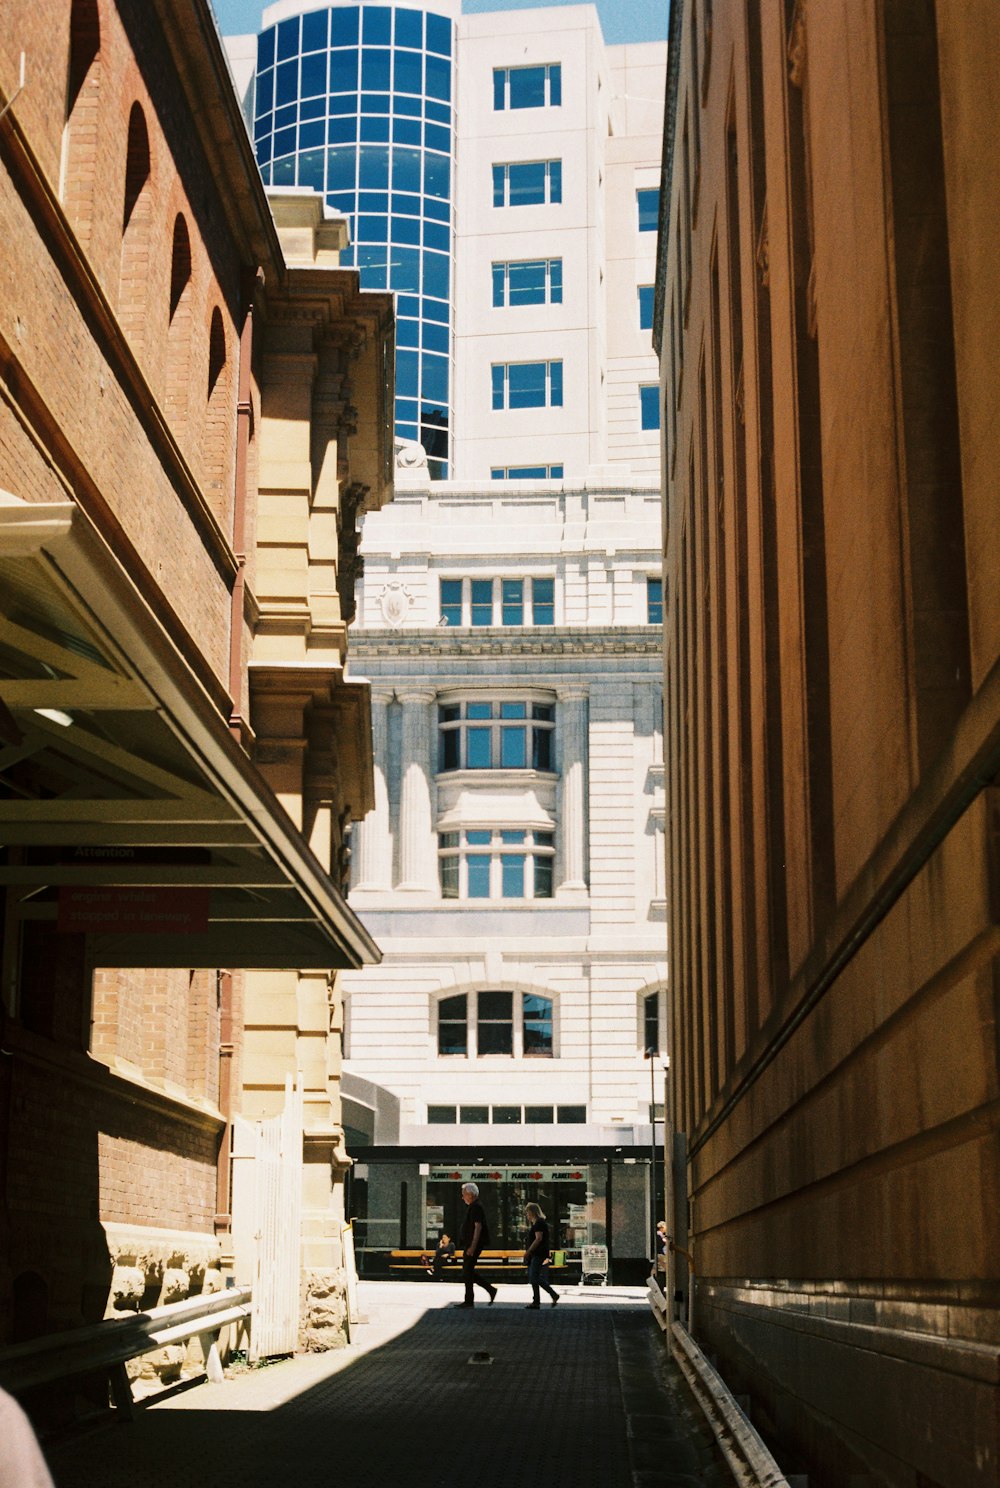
[{"x": 600, "y": 1203}]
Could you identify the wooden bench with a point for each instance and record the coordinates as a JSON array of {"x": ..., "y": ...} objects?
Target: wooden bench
[{"x": 489, "y": 1260}]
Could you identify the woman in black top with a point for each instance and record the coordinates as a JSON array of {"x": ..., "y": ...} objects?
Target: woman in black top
[{"x": 536, "y": 1253}]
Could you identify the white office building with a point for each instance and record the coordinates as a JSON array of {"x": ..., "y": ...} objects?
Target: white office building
[
  {"x": 500, "y": 172},
  {"x": 556, "y": 200},
  {"x": 512, "y": 870}
]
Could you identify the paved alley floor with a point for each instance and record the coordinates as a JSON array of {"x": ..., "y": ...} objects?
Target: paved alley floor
[{"x": 569, "y": 1396}]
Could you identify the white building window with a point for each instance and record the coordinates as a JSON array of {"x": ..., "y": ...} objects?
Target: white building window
[
  {"x": 484, "y": 602},
  {"x": 527, "y": 384},
  {"x": 513, "y": 735},
  {"x": 527, "y": 183},
  {"x": 527, "y": 87},
  {"x": 647, "y": 200},
  {"x": 505, "y": 1115},
  {"x": 496, "y": 863},
  {"x": 651, "y": 1023},
  {"x": 517, "y": 1025},
  {"x": 649, "y": 406},
  {"x": 526, "y": 472},
  {"x": 530, "y": 281}
]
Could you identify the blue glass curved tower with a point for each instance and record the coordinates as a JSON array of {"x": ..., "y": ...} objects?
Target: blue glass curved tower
[{"x": 356, "y": 101}]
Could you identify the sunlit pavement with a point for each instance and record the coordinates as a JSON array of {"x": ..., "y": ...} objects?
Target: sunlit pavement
[{"x": 428, "y": 1395}]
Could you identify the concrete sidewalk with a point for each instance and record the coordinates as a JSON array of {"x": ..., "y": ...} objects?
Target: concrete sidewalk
[{"x": 572, "y": 1395}]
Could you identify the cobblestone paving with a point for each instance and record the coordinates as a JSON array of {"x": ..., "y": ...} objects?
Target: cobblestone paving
[{"x": 572, "y": 1396}]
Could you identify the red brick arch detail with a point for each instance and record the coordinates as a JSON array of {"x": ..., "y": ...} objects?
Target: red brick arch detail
[
  {"x": 83, "y": 93},
  {"x": 178, "y": 385},
  {"x": 219, "y": 438},
  {"x": 137, "y": 212}
]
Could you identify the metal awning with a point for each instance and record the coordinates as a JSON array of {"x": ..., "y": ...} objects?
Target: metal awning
[{"x": 124, "y": 799}]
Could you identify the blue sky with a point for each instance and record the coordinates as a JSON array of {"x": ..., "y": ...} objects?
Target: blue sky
[{"x": 622, "y": 20}]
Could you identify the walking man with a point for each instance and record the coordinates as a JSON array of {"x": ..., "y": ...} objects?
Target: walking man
[{"x": 475, "y": 1235}]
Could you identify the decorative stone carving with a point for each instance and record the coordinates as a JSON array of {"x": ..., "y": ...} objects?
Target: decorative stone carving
[
  {"x": 128, "y": 1287},
  {"x": 350, "y": 564},
  {"x": 394, "y": 602},
  {"x": 163, "y": 1366},
  {"x": 176, "y": 1286},
  {"x": 323, "y": 1317},
  {"x": 151, "y": 1267},
  {"x": 410, "y": 456}
]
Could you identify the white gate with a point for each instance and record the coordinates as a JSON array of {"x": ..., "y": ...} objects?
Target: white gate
[{"x": 267, "y": 1207}]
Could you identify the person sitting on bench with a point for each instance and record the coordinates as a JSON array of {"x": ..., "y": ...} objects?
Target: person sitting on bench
[{"x": 434, "y": 1264}]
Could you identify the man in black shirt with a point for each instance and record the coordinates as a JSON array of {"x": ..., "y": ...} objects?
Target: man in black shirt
[{"x": 475, "y": 1235}]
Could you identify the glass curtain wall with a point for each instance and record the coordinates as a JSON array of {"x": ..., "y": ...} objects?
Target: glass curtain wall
[{"x": 355, "y": 101}]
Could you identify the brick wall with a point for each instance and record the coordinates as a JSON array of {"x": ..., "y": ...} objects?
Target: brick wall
[{"x": 129, "y": 107}]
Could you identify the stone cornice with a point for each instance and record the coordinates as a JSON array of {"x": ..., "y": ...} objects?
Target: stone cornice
[{"x": 440, "y": 642}]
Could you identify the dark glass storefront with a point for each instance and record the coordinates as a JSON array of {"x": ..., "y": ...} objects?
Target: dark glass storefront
[{"x": 404, "y": 1200}]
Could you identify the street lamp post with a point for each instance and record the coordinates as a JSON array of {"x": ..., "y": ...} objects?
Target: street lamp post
[{"x": 668, "y": 1187}]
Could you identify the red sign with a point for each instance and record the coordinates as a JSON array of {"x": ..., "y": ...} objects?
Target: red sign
[{"x": 133, "y": 911}]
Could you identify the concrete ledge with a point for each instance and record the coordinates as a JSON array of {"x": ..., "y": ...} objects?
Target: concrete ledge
[
  {"x": 749, "y": 1460},
  {"x": 974, "y": 1361}
]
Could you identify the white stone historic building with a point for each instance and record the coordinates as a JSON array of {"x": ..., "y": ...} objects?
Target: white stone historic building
[
  {"x": 500, "y": 173},
  {"x": 512, "y": 868}
]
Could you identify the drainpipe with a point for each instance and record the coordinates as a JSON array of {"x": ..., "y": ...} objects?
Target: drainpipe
[
  {"x": 224, "y": 979},
  {"x": 224, "y": 993},
  {"x": 244, "y": 417}
]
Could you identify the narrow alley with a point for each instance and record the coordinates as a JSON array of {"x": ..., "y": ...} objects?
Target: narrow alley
[{"x": 427, "y": 1395}]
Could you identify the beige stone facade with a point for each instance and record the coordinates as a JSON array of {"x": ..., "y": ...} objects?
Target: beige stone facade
[
  {"x": 194, "y": 410},
  {"x": 827, "y": 318}
]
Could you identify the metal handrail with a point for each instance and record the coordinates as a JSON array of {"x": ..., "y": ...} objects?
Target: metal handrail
[{"x": 110, "y": 1344}]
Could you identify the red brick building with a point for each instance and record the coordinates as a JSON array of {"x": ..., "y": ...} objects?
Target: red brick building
[
  {"x": 828, "y": 322},
  {"x": 180, "y": 753}
]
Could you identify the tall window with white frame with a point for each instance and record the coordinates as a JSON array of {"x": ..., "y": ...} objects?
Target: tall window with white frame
[
  {"x": 651, "y": 1024},
  {"x": 647, "y": 200},
  {"x": 490, "y": 601},
  {"x": 527, "y": 183},
  {"x": 496, "y": 863},
  {"x": 530, "y": 281},
  {"x": 649, "y": 406},
  {"x": 534, "y": 86},
  {"x": 475, "y": 734},
  {"x": 527, "y": 385}
]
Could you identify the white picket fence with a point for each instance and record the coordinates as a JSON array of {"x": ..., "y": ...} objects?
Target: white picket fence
[{"x": 267, "y": 1209}]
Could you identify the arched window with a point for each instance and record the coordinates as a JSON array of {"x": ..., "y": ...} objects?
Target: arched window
[
  {"x": 517, "y": 1025},
  {"x": 179, "y": 330},
  {"x": 80, "y": 144},
  {"x": 136, "y": 214},
  {"x": 220, "y": 425},
  {"x": 180, "y": 265}
]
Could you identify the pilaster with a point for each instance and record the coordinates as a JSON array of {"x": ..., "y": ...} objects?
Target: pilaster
[
  {"x": 572, "y": 735},
  {"x": 418, "y": 849}
]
